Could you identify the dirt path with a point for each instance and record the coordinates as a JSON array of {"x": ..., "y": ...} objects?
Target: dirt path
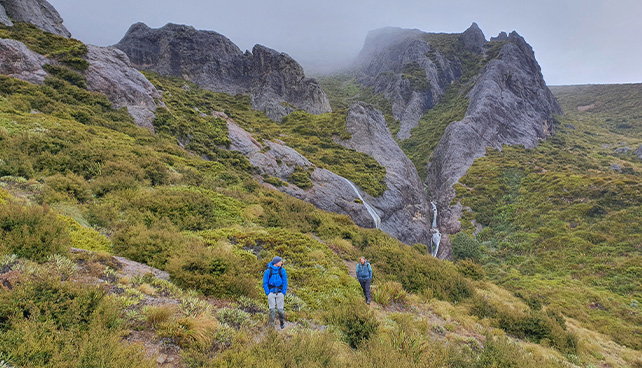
[{"x": 352, "y": 266}]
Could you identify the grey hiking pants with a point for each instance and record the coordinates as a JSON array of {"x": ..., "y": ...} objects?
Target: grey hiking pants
[{"x": 277, "y": 300}]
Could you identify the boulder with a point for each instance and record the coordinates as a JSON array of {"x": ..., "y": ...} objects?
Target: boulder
[
  {"x": 111, "y": 73},
  {"x": 37, "y": 12},
  {"x": 275, "y": 82},
  {"x": 622, "y": 150},
  {"x": 17, "y": 61},
  {"x": 638, "y": 152}
]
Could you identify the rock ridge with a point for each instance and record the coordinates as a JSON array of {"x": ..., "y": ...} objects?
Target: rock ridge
[{"x": 275, "y": 82}]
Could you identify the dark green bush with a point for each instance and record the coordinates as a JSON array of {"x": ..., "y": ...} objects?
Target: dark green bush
[
  {"x": 66, "y": 74},
  {"x": 465, "y": 247},
  {"x": 301, "y": 178},
  {"x": 470, "y": 269},
  {"x": 214, "y": 272},
  {"x": 355, "y": 320},
  {"x": 66, "y": 186},
  {"x": 152, "y": 246},
  {"x": 32, "y": 232}
]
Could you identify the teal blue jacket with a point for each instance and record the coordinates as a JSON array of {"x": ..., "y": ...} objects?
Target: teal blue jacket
[{"x": 364, "y": 272}]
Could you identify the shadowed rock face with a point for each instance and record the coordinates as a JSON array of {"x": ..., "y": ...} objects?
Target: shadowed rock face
[
  {"x": 37, "y": 12},
  {"x": 276, "y": 83},
  {"x": 17, "y": 61},
  {"x": 509, "y": 104},
  {"x": 111, "y": 73}
]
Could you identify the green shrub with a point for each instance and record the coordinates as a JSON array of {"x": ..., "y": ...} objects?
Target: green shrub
[
  {"x": 70, "y": 186},
  {"x": 66, "y": 74},
  {"x": 470, "y": 269},
  {"x": 465, "y": 247},
  {"x": 32, "y": 232},
  {"x": 233, "y": 317},
  {"x": 212, "y": 271},
  {"x": 152, "y": 246},
  {"x": 301, "y": 178},
  {"x": 355, "y": 320},
  {"x": 388, "y": 293}
]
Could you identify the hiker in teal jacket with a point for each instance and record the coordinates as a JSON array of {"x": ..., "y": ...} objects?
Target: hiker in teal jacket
[
  {"x": 275, "y": 284},
  {"x": 364, "y": 275}
]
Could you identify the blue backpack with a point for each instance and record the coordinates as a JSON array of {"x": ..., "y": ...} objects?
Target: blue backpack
[{"x": 275, "y": 280}]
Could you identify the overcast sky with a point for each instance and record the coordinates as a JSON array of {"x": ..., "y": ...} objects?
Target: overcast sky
[{"x": 575, "y": 41}]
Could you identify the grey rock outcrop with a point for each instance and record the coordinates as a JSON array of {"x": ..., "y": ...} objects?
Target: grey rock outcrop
[
  {"x": 638, "y": 152},
  {"x": 622, "y": 150},
  {"x": 404, "y": 208},
  {"x": 411, "y": 73},
  {"x": 330, "y": 191},
  {"x": 111, "y": 73},
  {"x": 275, "y": 82},
  {"x": 509, "y": 104},
  {"x": 17, "y": 61},
  {"x": 37, "y": 12},
  {"x": 4, "y": 18}
]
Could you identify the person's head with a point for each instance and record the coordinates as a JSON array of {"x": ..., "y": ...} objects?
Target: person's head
[
  {"x": 362, "y": 260},
  {"x": 277, "y": 261}
]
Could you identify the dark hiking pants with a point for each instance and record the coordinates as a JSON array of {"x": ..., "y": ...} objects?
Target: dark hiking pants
[{"x": 365, "y": 285}]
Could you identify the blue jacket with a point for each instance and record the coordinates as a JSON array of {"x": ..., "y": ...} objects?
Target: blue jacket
[
  {"x": 275, "y": 277},
  {"x": 364, "y": 272}
]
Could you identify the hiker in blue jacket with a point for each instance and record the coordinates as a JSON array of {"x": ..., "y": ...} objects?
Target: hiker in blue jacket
[
  {"x": 364, "y": 275},
  {"x": 275, "y": 284}
]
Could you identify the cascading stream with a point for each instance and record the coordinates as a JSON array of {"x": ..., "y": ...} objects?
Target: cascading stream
[
  {"x": 436, "y": 235},
  {"x": 369, "y": 208}
]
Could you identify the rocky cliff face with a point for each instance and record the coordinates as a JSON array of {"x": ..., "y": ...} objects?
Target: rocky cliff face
[
  {"x": 37, "y": 12},
  {"x": 17, "y": 61},
  {"x": 404, "y": 207},
  {"x": 275, "y": 82},
  {"x": 412, "y": 69},
  {"x": 509, "y": 104},
  {"x": 4, "y": 18},
  {"x": 111, "y": 73}
]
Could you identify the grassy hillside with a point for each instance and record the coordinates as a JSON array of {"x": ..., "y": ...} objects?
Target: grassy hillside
[
  {"x": 76, "y": 173},
  {"x": 560, "y": 226}
]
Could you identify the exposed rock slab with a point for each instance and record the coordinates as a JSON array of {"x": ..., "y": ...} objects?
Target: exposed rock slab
[
  {"x": 275, "y": 82},
  {"x": 638, "y": 152},
  {"x": 37, "y": 12},
  {"x": 17, "y": 61},
  {"x": 404, "y": 207},
  {"x": 4, "y": 18},
  {"x": 509, "y": 104},
  {"x": 330, "y": 191},
  {"x": 111, "y": 73}
]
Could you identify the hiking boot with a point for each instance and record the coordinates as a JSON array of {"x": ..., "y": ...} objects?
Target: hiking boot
[{"x": 282, "y": 319}]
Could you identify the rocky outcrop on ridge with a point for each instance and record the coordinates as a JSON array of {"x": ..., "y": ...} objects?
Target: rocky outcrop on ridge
[
  {"x": 404, "y": 207},
  {"x": 411, "y": 70},
  {"x": 111, "y": 73},
  {"x": 509, "y": 104},
  {"x": 17, "y": 61},
  {"x": 275, "y": 82},
  {"x": 37, "y": 12}
]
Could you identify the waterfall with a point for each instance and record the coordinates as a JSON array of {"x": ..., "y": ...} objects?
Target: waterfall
[
  {"x": 369, "y": 208},
  {"x": 436, "y": 235}
]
